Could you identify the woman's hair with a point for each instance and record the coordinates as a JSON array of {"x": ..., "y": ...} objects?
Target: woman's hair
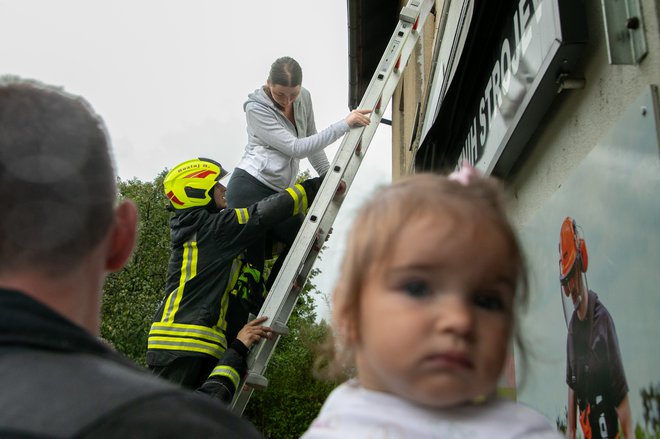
[
  {"x": 374, "y": 234},
  {"x": 285, "y": 71}
]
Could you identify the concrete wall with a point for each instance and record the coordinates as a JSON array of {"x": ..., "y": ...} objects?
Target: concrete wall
[
  {"x": 579, "y": 118},
  {"x": 411, "y": 91},
  {"x": 571, "y": 127}
]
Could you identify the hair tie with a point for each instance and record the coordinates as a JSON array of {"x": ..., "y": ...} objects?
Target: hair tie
[{"x": 464, "y": 174}]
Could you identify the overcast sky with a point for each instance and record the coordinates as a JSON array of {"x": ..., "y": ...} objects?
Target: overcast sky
[{"x": 170, "y": 77}]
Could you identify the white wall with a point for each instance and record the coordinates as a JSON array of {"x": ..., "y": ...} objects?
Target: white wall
[{"x": 579, "y": 118}]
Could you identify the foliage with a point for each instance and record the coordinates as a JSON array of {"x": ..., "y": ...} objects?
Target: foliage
[
  {"x": 651, "y": 405},
  {"x": 651, "y": 415},
  {"x": 560, "y": 422},
  {"x": 132, "y": 295},
  {"x": 294, "y": 396}
]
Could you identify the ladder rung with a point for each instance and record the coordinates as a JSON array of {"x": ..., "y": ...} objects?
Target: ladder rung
[
  {"x": 279, "y": 328},
  {"x": 256, "y": 381},
  {"x": 409, "y": 14}
]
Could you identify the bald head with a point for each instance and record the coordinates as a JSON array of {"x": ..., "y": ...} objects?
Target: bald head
[{"x": 57, "y": 185}]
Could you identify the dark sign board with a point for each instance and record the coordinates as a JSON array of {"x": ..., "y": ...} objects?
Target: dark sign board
[{"x": 509, "y": 72}]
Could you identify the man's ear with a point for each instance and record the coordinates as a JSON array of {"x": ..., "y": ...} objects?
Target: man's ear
[{"x": 123, "y": 236}]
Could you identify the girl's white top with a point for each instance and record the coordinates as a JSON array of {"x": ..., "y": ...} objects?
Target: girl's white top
[{"x": 354, "y": 412}]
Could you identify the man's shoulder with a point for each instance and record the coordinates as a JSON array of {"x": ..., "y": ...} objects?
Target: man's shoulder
[
  {"x": 198, "y": 221},
  {"x": 174, "y": 414},
  {"x": 600, "y": 313},
  {"x": 111, "y": 396}
]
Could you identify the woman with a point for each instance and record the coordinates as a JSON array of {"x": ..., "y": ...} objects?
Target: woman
[{"x": 281, "y": 131}]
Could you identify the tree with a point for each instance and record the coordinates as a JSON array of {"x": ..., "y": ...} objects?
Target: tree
[
  {"x": 132, "y": 295},
  {"x": 294, "y": 396}
]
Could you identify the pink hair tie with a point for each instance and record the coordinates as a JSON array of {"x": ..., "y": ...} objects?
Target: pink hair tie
[{"x": 464, "y": 174}]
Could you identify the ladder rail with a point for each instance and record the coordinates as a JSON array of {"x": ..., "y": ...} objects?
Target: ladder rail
[{"x": 288, "y": 285}]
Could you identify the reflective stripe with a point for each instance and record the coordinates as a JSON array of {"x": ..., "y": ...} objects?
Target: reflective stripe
[
  {"x": 190, "y": 338},
  {"x": 185, "y": 330},
  {"x": 303, "y": 194},
  {"x": 227, "y": 371},
  {"x": 222, "y": 318},
  {"x": 188, "y": 271},
  {"x": 299, "y": 196},
  {"x": 236, "y": 266},
  {"x": 185, "y": 344},
  {"x": 242, "y": 215},
  {"x": 294, "y": 195}
]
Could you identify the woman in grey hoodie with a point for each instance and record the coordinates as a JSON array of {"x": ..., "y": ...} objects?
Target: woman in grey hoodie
[{"x": 281, "y": 131}]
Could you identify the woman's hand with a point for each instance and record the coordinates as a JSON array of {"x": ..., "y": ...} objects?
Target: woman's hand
[{"x": 358, "y": 118}]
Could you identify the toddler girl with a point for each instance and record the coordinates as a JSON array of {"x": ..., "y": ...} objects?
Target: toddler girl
[{"x": 424, "y": 311}]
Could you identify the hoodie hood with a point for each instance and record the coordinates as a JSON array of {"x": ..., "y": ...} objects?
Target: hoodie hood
[{"x": 259, "y": 96}]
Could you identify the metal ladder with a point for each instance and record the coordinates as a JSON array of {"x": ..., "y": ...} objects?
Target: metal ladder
[{"x": 292, "y": 276}]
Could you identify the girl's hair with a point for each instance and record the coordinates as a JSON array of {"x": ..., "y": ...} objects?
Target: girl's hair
[
  {"x": 374, "y": 233},
  {"x": 285, "y": 71}
]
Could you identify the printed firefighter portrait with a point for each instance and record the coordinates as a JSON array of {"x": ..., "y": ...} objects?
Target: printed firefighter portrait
[{"x": 597, "y": 386}]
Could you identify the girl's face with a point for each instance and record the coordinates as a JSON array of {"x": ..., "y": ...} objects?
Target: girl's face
[{"x": 436, "y": 318}]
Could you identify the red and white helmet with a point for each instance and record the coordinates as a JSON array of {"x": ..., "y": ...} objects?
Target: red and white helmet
[{"x": 572, "y": 250}]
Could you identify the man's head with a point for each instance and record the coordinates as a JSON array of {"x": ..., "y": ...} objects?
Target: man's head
[
  {"x": 60, "y": 231},
  {"x": 57, "y": 185},
  {"x": 196, "y": 183},
  {"x": 573, "y": 262}
]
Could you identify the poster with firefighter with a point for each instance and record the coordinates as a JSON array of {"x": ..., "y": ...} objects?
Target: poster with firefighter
[{"x": 594, "y": 255}]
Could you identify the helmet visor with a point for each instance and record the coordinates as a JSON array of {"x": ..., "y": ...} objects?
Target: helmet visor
[{"x": 570, "y": 295}]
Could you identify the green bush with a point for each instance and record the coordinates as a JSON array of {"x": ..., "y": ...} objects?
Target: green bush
[
  {"x": 294, "y": 395},
  {"x": 131, "y": 297}
]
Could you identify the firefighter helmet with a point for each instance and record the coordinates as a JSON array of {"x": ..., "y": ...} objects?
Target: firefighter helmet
[
  {"x": 572, "y": 250},
  {"x": 189, "y": 184}
]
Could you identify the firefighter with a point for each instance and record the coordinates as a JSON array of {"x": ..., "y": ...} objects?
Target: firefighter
[
  {"x": 210, "y": 288},
  {"x": 597, "y": 386}
]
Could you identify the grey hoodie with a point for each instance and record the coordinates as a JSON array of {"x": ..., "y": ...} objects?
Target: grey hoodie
[{"x": 275, "y": 146}]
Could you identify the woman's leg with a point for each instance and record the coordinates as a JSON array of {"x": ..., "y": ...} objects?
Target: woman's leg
[{"x": 244, "y": 190}]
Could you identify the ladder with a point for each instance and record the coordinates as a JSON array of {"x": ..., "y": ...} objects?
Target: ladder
[{"x": 284, "y": 293}]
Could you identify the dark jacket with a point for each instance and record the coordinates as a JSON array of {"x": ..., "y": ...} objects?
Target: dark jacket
[
  {"x": 58, "y": 381},
  {"x": 206, "y": 262},
  {"x": 594, "y": 368},
  {"x": 223, "y": 381}
]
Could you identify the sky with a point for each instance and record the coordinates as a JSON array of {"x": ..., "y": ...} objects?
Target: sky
[{"x": 170, "y": 77}]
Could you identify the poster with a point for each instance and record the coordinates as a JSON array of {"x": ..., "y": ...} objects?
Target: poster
[{"x": 613, "y": 196}]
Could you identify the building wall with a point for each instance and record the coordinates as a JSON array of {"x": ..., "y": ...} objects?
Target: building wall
[
  {"x": 409, "y": 95},
  {"x": 571, "y": 127},
  {"x": 579, "y": 118},
  {"x": 622, "y": 237}
]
